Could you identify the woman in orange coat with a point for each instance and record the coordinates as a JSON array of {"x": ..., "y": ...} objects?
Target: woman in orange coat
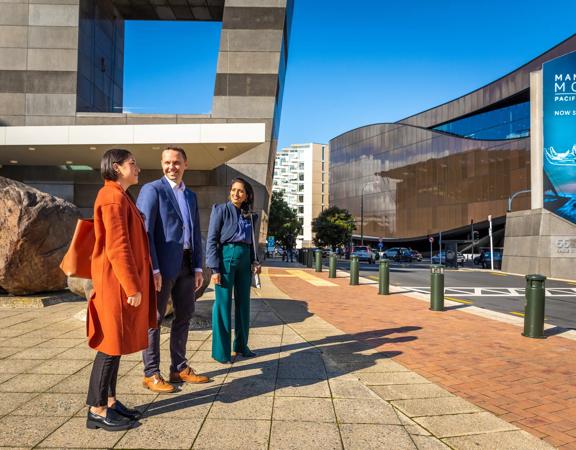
[{"x": 123, "y": 305}]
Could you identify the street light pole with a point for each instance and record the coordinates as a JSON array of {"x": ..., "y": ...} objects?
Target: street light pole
[{"x": 362, "y": 216}]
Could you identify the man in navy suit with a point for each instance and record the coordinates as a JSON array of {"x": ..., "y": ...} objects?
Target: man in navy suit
[{"x": 171, "y": 215}]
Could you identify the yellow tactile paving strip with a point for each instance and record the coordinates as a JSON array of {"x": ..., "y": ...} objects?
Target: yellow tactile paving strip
[{"x": 309, "y": 278}]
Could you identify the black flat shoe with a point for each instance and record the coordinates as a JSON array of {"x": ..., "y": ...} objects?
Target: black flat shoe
[
  {"x": 246, "y": 354},
  {"x": 112, "y": 422},
  {"x": 123, "y": 410}
]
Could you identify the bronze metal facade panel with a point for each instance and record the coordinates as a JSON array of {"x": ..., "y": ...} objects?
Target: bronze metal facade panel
[{"x": 418, "y": 182}]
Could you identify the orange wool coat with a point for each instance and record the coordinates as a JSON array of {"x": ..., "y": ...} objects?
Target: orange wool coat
[{"x": 120, "y": 267}]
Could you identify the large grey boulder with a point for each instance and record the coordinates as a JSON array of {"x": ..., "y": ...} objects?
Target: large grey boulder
[
  {"x": 80, "y": 286},
  {"x": 35, "y": 231}
]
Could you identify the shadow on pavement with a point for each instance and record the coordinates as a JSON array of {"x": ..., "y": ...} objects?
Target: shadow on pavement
[{"x": 301, "y": 363}]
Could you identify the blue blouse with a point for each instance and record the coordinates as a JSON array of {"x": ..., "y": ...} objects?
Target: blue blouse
[{"x": 243, "y": 232}]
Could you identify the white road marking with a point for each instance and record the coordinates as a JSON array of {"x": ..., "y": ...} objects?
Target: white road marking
[{"x": 493, "y": 292}]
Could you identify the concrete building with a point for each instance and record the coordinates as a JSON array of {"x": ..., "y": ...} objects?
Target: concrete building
[
  {"x": 61, "y": 85},
  {"x": 301, "y": 172}
]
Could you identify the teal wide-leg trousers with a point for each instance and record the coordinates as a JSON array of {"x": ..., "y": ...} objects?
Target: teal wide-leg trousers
[{"x": 235, "y": 280}]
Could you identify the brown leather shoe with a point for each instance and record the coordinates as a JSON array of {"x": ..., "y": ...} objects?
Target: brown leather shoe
[
  {"x": 158, "y": 384},
  {"x": 187, "y": 376}
]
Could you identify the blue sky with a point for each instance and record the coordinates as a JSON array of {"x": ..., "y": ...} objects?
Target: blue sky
[{"x": 352, "y": 63}]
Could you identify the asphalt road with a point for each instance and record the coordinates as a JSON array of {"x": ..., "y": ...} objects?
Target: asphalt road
[{"x": 482, "y": 288}]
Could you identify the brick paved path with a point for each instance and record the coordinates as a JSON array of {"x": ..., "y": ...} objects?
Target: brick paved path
[{"x": 530, "y": 383}]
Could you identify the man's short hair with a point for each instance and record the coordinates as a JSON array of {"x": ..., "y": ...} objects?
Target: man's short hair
[{"x": 176, "y": 149}]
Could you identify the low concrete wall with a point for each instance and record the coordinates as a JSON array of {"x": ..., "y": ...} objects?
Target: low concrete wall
[{"x": 538, "y": 241}]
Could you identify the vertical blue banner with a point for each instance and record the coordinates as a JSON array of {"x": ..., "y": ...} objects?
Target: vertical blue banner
[{"x": 559, "y": 116}]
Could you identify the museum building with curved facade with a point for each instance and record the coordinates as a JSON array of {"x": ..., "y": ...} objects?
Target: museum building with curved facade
[{"x": 441, "y": 169}]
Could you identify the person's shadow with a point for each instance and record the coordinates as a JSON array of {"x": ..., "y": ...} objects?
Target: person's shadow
[{"x": 305, "y": 363}]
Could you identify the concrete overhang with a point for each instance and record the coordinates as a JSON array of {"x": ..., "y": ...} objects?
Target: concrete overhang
[{"x": 207, "y": 145}]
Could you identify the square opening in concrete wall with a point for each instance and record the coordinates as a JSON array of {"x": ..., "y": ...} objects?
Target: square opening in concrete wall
[{"x": 170, "y": 67}]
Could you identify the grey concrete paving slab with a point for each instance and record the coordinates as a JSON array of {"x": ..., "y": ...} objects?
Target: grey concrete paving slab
[
  {"x": 30, "y": 383},
  {"x": 75, "y": 383},
  {"x": 59, "y": 367},
  {"x": 9, "y": 401},
  {"x": 74, "y": 434},
  {"x": 350, "y": 388},
  {"x": 23, "y": 342},
  {"x": 200, "y": 356},
  {"x": 304, "y": 435},
  {"x": 408, "y": 391},
  {"x": 27, "y": 433},
  {"x": 300, "y": 370},
  {"x": 220, "y": 434},
  {"x": 39, "y": 353},
  {"x": 254, "y": 370},
  {"x": 506, "y": 440},
  {"x": 62, "y": 342},
  {"x": 300, "y": 409},
  {"x": 302, "y": 387},
  {"x": 16, "y": 366},
  {"x": 356, "y": 410},
  {"x": 7, "y": 376},
  {"x": 384, "y": 378},
  {"x": 462, "y": 424},
  {"x": 184, "y": 406},
  {"x": 238, "y": 388},
  {"x": 81, "y": 352},
  {"x": 435, "y": 406},
  {"x": 47, "y": 405},
  {"x": 412, "y": 427},
  {"x": 369, "y": 436},
  {"x": 256, "y": 408},
  {"x": 156, "y": 433},
  {"x": 429, "y": 443}
]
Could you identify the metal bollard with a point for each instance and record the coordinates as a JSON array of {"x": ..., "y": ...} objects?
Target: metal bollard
[
  {"x": 332, "y": 266},
  {"x": 534, "y": 310},
  {"x": 309, "y": 258},
  {"x": 384, "y": 277},
  {"x": 354, "y": 270},
  {"x": 437, "y": 287},
  {"x": 318, "y": 261}
]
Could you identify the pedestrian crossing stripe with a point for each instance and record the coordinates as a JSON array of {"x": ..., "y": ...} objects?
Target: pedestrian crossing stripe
[
  {"x": 309, "y": 278},
  {"x": 493, "y": 292}
]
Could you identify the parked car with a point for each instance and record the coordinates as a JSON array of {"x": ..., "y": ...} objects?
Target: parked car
[
  {"x": 416, "y": 255},
  {"x": 440, "y": 258},
  {"x": 484, "y": 258},
  {"x": 364, "y": 253},
  {"x": 399, "y": 254}
]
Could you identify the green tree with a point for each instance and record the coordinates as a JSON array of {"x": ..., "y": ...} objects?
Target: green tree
[
  {"x": 333, "y": 227},
  {"x": 282, "y": 220}
]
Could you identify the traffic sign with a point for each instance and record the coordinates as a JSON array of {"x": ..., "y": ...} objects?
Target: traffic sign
[{"x": 431, "y": 239}]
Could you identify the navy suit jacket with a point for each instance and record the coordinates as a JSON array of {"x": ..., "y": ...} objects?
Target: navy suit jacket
[
  {"x": 223, "y": 225},
  {"x": 165, "y": 227}
]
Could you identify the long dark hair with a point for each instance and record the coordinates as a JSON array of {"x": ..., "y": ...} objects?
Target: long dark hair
[
  {"x": 248, "y": 204},
  {"x": 111, "y": 157}
]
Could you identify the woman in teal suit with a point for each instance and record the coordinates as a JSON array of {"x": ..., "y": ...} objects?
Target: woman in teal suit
[{"x": 230, "y": 255}]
